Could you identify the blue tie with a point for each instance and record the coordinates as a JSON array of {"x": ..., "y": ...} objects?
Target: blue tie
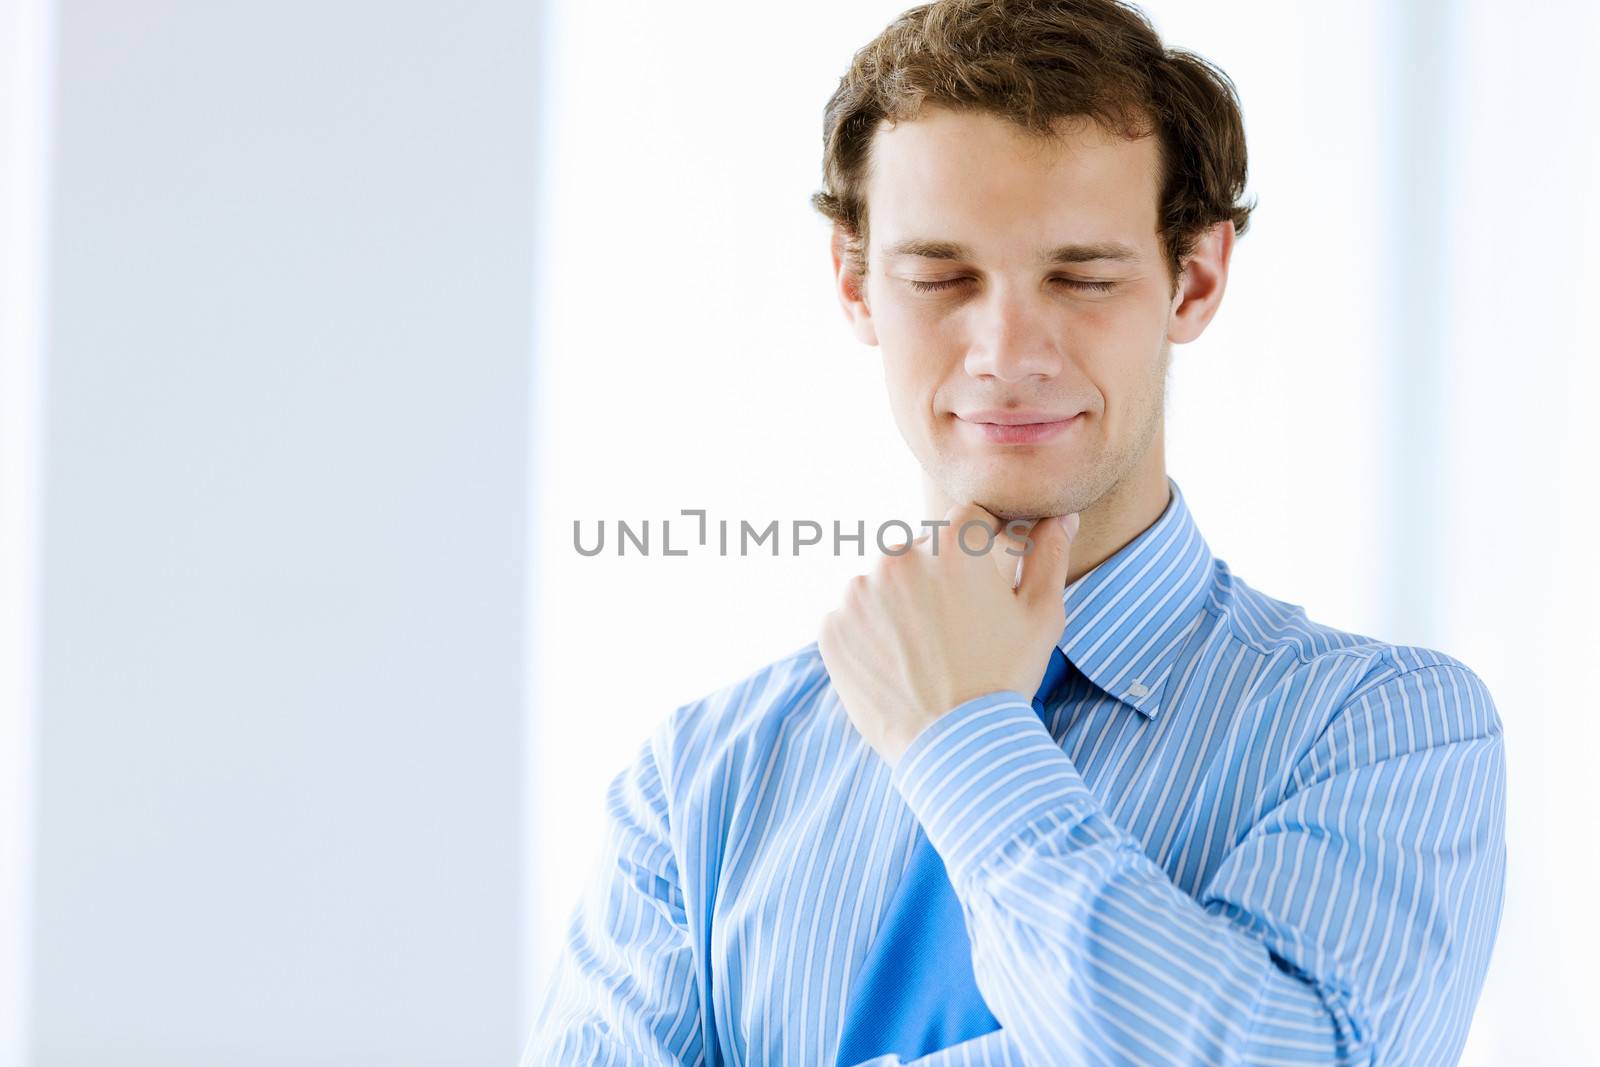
[{"x": 915, "y": 993}]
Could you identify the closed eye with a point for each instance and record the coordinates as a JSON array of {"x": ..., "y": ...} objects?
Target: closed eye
[{"x": 951, "y": 283}]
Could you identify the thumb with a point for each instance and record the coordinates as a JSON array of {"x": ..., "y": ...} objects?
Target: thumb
[{"x": 1044, "y": 571}]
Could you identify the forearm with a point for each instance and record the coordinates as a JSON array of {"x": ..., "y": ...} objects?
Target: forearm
[
  {"x": 625, "y": 989},
  {"x": 1100, "y": 952},
  {"x": 1082, "y": 947},
  {"x": 592, "y": 1016}
]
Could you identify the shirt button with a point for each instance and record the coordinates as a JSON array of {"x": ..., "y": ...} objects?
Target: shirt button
[{"x": 1138, "y": 689}]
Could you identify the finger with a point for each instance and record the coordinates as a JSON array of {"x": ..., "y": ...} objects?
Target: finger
[
  {"x": 1013, "y": 546},
  {"x": 901, "y": 548},
  {"x": 969, "y": 529},
  {"x": 1044, "y": 574}
]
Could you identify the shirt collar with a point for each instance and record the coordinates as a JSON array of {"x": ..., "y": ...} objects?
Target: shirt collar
[{"x": 1129, "y": 617}]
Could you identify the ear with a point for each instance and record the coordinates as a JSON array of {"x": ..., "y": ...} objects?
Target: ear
[
  {"x": 851, "y": 290},
  {"x": 1200, "y": 286}
]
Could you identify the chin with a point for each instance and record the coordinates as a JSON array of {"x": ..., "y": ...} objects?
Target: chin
[
  {"x": 1020, "y": 502},
  {"x": 1025, "y": 512},
  {"x": 1040, "y": 485}
]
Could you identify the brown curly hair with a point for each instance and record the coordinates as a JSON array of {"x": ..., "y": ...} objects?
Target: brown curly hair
[{"x": 1034, "y": 62}]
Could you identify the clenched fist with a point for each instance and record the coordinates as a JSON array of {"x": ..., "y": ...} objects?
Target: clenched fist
[{"x": 934, "y": 627}]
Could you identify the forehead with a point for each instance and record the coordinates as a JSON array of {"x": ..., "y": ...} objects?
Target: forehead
[{"x": 979, "y": 180}]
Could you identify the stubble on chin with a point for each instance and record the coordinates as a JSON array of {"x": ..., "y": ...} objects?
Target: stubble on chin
[{"x": 1074, "y": 491}]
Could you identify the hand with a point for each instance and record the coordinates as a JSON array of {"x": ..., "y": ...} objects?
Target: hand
[{"x": 928, "y": 630}]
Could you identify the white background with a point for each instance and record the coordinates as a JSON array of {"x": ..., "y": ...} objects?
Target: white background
[
  {"x": 325, "y": 322},
  {"x": 278, "y": 520}
]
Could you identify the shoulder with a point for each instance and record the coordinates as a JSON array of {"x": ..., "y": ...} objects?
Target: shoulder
[
  {"x": 1359, "y": 680},
  {"x": 716, "y": 735}
]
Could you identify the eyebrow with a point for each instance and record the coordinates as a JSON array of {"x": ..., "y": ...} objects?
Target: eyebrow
[{"x": 1073, "y": 253}]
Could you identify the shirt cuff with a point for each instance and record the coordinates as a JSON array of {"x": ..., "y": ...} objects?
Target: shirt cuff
[{"x": 980, "y": 774}]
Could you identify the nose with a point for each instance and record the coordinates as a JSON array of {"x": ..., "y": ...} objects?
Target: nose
[{"x": 1011, "y": 341}]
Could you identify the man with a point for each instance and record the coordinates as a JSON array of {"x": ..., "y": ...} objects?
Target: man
[{"x": 1107, "y": 805}]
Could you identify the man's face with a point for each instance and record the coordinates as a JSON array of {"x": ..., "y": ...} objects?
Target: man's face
[{"x": 996, "y": 327}]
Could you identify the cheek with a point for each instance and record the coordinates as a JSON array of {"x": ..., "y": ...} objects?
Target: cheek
[
  {"x": 913, "y": 385},
  {"x": 1119, "y": 347},
  {"x": 910, "y": 331},
  {"x": 917, "y": 351},
  {"x": 910, "y": 394}
]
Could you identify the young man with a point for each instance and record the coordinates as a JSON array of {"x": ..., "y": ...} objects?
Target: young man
[{"x": 1122, "y": 809}]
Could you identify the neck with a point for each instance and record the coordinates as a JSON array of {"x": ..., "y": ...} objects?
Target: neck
[{"x": 1127, "y": 510}]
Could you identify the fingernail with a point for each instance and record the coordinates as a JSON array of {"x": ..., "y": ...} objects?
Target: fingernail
[{"x": 1070, "y": 524}]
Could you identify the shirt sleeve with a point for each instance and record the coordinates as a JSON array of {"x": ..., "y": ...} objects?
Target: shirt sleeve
[
  {"x": 623, "y": 990},
  {"x": 1351, "y": 924},
  {"x": 994, "y": 1049}
]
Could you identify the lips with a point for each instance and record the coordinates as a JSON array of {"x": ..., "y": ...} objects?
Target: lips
[
  {"x": 1016, "y": 416},
  {"x": 1018, "y": 426}
]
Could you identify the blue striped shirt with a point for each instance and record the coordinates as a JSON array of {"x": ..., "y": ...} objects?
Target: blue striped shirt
[{"x": 1234, "y": 836}]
